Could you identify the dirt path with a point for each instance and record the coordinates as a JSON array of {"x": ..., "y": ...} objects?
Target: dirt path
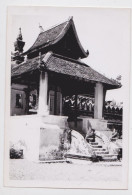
[{"x": 25, "y": 170}]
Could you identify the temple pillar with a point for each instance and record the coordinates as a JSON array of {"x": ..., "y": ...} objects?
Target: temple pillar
[
  {"x": 43, "y": 92},
  {"x": 104, "y": 95},
  {"x": 99, "y": 99},
  {"x": 76, "y": 110}
]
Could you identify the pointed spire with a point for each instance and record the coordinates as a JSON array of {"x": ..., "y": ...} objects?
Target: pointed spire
[
  {"x": 19, "y": 35},
  {"x": 41, "y": 28},
  {"x": 19, "y": 44},
  {"x": 18, "y": 47}
]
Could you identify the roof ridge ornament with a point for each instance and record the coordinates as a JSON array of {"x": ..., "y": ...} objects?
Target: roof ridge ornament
[
  {"x": 41, "y": 28},
  {"x": 42, "y": 62},
  {"x": 42, "y": 65},
  {"x": 70, "y": 18},
  {"x": 87, "y": 52}
]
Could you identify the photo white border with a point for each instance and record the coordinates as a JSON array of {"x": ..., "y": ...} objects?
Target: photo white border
[
  {"x": 122, "y": 3},
  {"x": 55, "y": 184}
]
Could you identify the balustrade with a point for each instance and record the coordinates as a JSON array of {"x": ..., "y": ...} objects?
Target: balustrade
[{"x": 85, "y": 107}]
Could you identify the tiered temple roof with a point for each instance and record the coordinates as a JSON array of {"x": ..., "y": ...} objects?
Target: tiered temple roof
[
  {"x": 53, "y": 43},
  {"x": 63, "y": 36},
  {"x": 65, "y": 66}
]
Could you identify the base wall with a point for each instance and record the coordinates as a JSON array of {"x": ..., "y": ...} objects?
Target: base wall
[
  {"x": 41, "y": 137},
  {"x": 34, "y": 135},
  {"x": 82, "y": 125}
]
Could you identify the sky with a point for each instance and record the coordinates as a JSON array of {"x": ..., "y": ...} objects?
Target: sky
[{"x": 104, "y": 32}]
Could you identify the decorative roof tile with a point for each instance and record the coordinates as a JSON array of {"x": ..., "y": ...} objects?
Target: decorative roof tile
[
  {"x": 54, "y": 35},
  {"x": 28, "y": 66},
  {"x": 65, "y": 66},
  {"x": 48, "y": 36}
]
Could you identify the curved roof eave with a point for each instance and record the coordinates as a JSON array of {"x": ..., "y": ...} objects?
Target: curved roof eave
[{"x": 62, "y": 34}]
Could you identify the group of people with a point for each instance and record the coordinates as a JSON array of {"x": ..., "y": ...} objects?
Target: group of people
[
  {"x": 83, "y": 103},
  {"x": 116, "y": 134},
  {"x": 87, "y": 103},
  {"x": 110, "y": 108},
  {"x": 91, "y": 134}
]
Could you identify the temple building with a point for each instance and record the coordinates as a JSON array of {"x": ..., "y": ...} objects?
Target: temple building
[{"x": 51, "y": 71}]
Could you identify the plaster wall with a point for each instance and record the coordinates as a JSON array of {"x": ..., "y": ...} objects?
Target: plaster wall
[
  {"x": 18, "y": 89},
  {"x": 37, "y": 136}
]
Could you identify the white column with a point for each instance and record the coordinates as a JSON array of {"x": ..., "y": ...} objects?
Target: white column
[
  {"x": 43, "y": 92},
  {"x": 98, "y": 107}
]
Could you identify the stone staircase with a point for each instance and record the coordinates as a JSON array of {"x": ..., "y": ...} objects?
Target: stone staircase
[{"x": 102, "y": 154}]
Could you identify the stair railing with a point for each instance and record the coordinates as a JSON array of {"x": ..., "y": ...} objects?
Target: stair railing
[{"x": 103, "y": 139}]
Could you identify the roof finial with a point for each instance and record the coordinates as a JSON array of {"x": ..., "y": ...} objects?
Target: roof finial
[
  {"x": 20, "y": 34},
  {"x": 41, "y": 28},
  {"x": 20, "y": 30},
  {"x": 70, "y": 18}
]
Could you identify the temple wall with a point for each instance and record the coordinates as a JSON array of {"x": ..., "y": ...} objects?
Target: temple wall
[
  {"x": 43, "y": 138},
  {"x": 25, "y": 134},
  {"x": 51, "y": 143},
  {"x": 18, "y": 107},
  {"x": 98, "y": 124},
  {"x": 36, "y": 137},
  {"x": 52, "y": 137}
]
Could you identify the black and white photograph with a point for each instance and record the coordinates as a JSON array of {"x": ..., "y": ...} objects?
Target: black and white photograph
[{"x": 67, "y": 97}]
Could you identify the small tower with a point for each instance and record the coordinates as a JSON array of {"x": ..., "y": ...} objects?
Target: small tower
[{"x": 18, "y": 44}]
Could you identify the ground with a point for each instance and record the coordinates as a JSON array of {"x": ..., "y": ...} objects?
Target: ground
[{"x": 21, "y": 169}]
